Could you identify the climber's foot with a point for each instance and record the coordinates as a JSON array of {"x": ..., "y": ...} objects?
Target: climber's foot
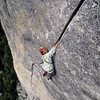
[{"x": 49, "y": 78}]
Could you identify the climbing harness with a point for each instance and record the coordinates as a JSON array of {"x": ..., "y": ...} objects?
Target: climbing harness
[{"x": 70, "y": 19}]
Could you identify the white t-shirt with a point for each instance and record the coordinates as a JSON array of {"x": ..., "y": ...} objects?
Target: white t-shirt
[{"x": 47, "y": 64}]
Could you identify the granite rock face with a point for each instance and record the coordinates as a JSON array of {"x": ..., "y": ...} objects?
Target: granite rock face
[{"x": 29, "y": 24}]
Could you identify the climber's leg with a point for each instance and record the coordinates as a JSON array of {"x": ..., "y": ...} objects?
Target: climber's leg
[
  {"x": 50, "y": 75},
  {"x": 45, "y": 73}
]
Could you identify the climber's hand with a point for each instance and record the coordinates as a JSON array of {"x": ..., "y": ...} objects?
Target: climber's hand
[{"x": 56, "y": 45}]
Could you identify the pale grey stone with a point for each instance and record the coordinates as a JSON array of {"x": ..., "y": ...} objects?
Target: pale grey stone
[{"x": 28, "y": 24}]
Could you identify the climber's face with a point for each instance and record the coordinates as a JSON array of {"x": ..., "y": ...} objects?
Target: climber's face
[{"x": 43, "y": 50}]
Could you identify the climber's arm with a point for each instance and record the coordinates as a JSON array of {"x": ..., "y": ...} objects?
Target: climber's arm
[
  {"x": 53, "y": 50},
  {"x": 56, "y": 45}
]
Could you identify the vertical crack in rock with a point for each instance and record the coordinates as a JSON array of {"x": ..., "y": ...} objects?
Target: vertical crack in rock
[{"x": 34, "y": 23}]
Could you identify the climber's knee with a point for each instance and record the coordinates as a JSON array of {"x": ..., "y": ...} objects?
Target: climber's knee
[{"x": 45, "y": 73}]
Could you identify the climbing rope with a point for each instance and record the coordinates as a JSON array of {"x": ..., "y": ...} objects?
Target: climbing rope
[
  {"x": 68, "y": 22},
  {"x": 32, "y": 67},
  {"x": 70, "y": 19},
  {"x": 35, "y": 84},
  {"x": 32, "y": 70}
]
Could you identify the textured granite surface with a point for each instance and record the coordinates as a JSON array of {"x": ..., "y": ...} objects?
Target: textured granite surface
[{"x": 29, "y": 24}]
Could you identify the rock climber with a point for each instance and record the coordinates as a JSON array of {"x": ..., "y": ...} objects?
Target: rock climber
[{"x": 47, "y": 60}]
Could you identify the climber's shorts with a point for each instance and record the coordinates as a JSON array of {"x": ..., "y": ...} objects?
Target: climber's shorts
[{"x": 51, "y": 71}]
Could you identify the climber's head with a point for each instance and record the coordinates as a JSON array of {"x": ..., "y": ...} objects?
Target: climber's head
[{"x": 43, "y": 50}]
